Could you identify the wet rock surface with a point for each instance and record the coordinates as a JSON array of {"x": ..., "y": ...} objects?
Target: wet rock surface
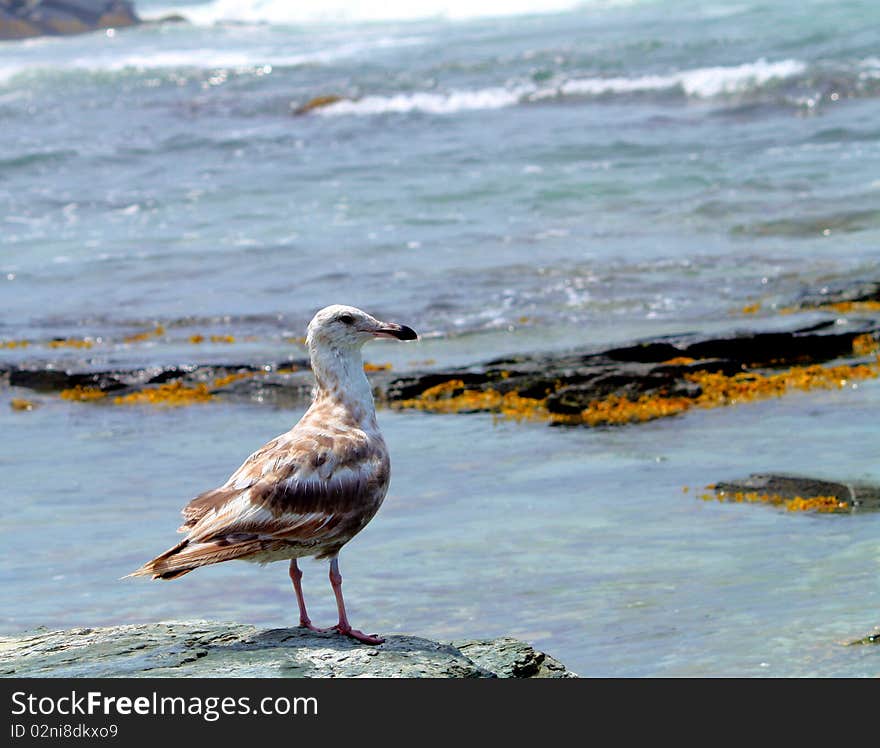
[
  {"x": 20, "y": 19},
  {"x": 571, "y": 381},
  {"x": 838, "y": 293},
  {"x": 566, "y": 381},
  {"x": 857, "y": 496},
  {"x": 205, "y": 649}
]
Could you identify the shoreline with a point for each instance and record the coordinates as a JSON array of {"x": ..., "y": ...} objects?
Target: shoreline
[{"x": 622, "y": 384}]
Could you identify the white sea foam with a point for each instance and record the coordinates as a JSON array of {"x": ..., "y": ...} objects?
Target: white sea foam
[
  {"x": 697, "y": 83},
  {"x": 289, "y": 12},
  {"x": 431, "y": 103}
]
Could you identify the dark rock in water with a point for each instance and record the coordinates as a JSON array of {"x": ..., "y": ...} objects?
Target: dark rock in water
[
  {"x": 317, "y": 103},
  {"x": 872, "y": 638},
  {"x": 13, "y": 26},
  {"x": 277, "y": 390},
  {"x": 53, "y": 380},
  {"x": 566, "y": 383},
  {"x": 837, "y": 293},
  {"x": 172, "y": 18},
  {"x": 20, "y": 19},
  {"x": 203, "y": 649},
  {"x": 857, "y": 495},
  {"x": 169, "y": 373},
  {"x": 571, "y": 381},
  {"x": 782, "y": 348}
]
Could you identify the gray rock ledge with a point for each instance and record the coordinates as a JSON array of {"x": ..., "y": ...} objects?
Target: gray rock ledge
[{"x": 219, "y": 650}]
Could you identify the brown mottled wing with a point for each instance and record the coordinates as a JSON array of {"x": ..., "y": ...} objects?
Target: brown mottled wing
[
  {"x": 216, "y": 497},
  {"x": 308, "y": 492},
  {"x": 313, "y": 490}
]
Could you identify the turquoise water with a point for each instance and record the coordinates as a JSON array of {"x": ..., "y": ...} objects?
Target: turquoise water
[{"x": 501, "y": 183}]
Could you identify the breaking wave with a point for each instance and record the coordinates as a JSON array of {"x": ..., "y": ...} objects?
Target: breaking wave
[
  {"x": 698, "y": 83},
  {"x": 334, "y": 11}
]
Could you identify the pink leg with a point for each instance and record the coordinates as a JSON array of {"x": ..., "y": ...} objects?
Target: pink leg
[
  {"x": 344, "y": 627},
  {"x": 296, "y": 578}
]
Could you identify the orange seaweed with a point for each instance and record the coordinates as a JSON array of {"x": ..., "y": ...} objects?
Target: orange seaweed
[
  {"x": 822, "y": 504},
  {"x": 171, "y": 394},
  {"x": 80, "y": 393}
]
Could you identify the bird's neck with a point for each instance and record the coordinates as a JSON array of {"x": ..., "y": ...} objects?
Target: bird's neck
[{"x": 341, "y": 382}]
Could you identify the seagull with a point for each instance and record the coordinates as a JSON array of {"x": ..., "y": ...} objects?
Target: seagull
[{"x": 310, "y": 490}]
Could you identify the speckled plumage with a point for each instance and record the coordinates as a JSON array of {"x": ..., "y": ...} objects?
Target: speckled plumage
[{"x": 310, "y": 490}]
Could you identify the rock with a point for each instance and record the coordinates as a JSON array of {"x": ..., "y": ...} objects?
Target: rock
[
  {"x": 204, "y": 649},
  {"x": 317, "y": 103},
  {"x": 54, "y": 380},
  {"x": 172, "y": 18},
  {"x": 566, "y": 382},
  {"x": 20, "y": 19},
  {"x": 510, "y": 658},
  {"x": 837, "y": 293},
  {"x": 13, "y": 26},
  {"x": 858, "y": 496},
  {"x": 571, "y": 381},
  {"x": 872, "y": 638}
]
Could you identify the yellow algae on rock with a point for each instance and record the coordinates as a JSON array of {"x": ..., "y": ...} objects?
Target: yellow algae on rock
[
  {"x": 81, "y": 393},
  {"x": 15, "y": 344},
  {"x": 716, "y": 390},
  {"x": 617, "y": 410},
  {"x": 679, "y": 361},
  {"x": 847, "y": 307},
  {"x": 377, "y": 367},
  {"x": 19, "y": 403},
  {"x": 454, "y": 397},
  {"x": 139, "y": 337},
  {"x": 230, "y": 378},
  {"x": 823, "y": 504},
  {"x": 842, "y": 307},
  {"x": 171, "y": 394},
  {"x": 222, "y": 338},
  {"x": 866, "y": 344},
  {"x": 196, "y": 339},
  {"x": 70, "y": 343},
  {"x": 719, "y": 389},
  {"x": 751, "y": 308},
  {"x": 318, "y": 102}
]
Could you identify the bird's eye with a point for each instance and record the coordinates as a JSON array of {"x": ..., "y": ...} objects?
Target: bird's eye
[{"x": 346, "y": 318}]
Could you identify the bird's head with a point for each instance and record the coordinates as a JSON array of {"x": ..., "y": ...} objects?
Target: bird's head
[{"x": 340, "y": 327}]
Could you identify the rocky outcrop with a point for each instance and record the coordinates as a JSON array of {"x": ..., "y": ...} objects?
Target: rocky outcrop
[
  {"x": 859, "y": 292},
  {"x": 850, "y": 496},
  {"x": 203, "y": 649},
  {"x": 20, "y": 19},
  {"x": 565, "y": 384},
  {"x": 871, "y": 638},
  {"x": 317, "y": 102},
  {"x": 571, "y": 381}
]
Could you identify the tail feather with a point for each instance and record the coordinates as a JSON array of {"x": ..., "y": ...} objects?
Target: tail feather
[{"x": 188, "y": 555}]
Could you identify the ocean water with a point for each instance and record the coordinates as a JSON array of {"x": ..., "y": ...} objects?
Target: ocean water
[{"x": 503, "y": 177}]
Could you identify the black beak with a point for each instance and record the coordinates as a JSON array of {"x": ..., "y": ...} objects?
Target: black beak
[{"x": 392, "y": 330}]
